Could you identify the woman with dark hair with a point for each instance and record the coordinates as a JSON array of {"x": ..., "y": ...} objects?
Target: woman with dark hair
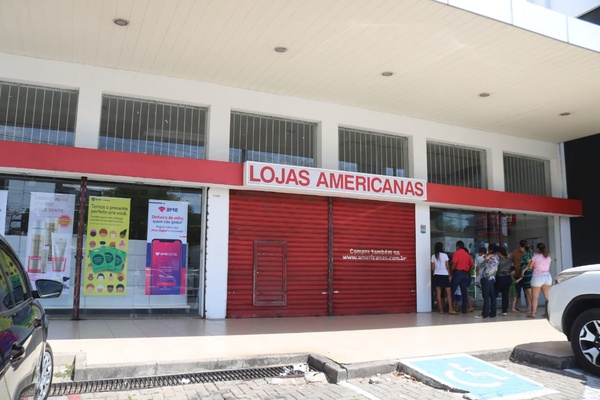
[
  {"x": 541, "y": 278},
  {"x": 488, "y": 277},
  {"x": 441, "y": 277}
]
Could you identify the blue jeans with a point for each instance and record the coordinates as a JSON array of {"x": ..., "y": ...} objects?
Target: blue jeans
[
  {"x": 489, "y": 298},
  {"x": 460, "y": 278}
]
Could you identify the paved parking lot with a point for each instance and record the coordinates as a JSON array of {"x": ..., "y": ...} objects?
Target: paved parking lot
[{"x": 565, "y": 385}]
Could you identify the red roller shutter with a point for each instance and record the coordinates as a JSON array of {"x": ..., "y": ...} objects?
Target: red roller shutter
[
  {"x": 373, "y": 257},
  {"x": 299, "y": 225}
]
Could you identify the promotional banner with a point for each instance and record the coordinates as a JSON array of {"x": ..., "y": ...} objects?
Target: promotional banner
[
  {"x": 3, "y": 201},
  {"x": 166, "y": 259},
  {"x": 49, "y": 237},
  {"x": 107, "y": 246}
]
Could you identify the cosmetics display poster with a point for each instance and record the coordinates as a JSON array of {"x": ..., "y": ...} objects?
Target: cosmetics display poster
[
  {"x": 166, "y": 255},
  {"x": 49, "y": 237},
  {"x": 107, "y": 245},
  {"x": 3, "y": 202}
]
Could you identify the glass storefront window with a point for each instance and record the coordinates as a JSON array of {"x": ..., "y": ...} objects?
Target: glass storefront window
[{"x": 41, "y": 246}]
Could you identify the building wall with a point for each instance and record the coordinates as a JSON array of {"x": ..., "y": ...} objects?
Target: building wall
[
  {"x": 92, "y": 82},
  {"x": 581, "y": 163}
]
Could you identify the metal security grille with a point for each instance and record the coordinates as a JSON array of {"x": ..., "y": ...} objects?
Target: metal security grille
[
  {"x": 373, "y": 153},
  {"x": 273, "y": 140},
  {"x": 526, "y": 175},
  {"x": 37, "y": 114},
  {"x": 456, "y": 166},
  {"x": 152, "y": 127}
]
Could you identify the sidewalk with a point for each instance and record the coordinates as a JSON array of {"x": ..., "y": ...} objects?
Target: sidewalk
[{"x": 142, "y": 347}]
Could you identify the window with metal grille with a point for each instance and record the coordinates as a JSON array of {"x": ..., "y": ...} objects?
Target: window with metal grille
[
  {"x": 526, "y": 175},
  {"x": 272, "y": 140},
  {"x": 152, "y": 127},
  {"x": 37, "y": 114},
  {"x": 456, "y": 165},
  {"x": 373, "y": 153}
]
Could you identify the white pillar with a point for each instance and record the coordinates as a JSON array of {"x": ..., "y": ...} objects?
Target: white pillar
[
  {"x": 89, "y": 110},
  {"x": 217, "y": 141},
  {"x": 327, "y": 145},
  {"x": 423, "y": 255},
  {"x": 217, "y": 250}
]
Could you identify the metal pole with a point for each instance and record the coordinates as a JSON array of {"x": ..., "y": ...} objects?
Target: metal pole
[{"x": 79, "y": 253}]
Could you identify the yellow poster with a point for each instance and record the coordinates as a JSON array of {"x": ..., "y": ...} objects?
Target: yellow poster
[{"x": 107, "y": 246}]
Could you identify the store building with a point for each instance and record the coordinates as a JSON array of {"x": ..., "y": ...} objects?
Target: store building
[{"x": 215, "y": 197}]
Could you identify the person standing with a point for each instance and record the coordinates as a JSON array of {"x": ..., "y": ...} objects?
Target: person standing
[
  {"x": 526, "y": 278},
  {"x": 503, "y": 279},
  {"x": 516, "y": 257},
  {"x": 440, "y": 265},
  {"x": 541, "y": 278},
  {"x": 462, "y": 267},
  {"x": 488, "y": 276}
]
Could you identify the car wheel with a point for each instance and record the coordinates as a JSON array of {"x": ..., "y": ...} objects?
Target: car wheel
[
  {"x": 44, "y": 376},
  {"x": 585, "y": 340}
]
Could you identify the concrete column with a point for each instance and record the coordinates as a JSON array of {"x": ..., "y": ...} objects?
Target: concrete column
[
  {"x": 327, "y": 145},
  {"x": 423, "y": 255},
  {"x": 217, "y": 141},
  {"x": 89, "y": 110},
  {"x": 217, "y": 250},
  {"x": 495, "y": 169},
  {"x": 418, "y": 157}
]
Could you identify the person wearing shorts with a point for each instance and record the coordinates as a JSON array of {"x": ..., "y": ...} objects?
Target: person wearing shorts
[
  {"x": 541, "y": 280},
  {"x": 441, "y": 277}
]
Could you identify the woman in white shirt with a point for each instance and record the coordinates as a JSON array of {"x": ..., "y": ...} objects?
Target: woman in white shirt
[{"x": 440, "y": 266}]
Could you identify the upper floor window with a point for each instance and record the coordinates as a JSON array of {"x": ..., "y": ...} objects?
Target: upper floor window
[
  {"x": 456, "y": 165},
  {"x": 152, "y": 127},
  {"x": 373, "y": 153},
  {"x": 271, "y": 140},
  {"x": 526, "y": 175},
  {"x": 37, "y": 114}
]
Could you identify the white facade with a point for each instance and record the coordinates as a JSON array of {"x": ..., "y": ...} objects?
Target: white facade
[{"x": 92, "y": 82}]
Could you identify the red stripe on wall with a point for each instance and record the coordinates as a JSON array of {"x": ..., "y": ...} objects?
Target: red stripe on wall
[
  {"x": 492, "y": 199},
  {"x": 104, "y": 162},
  {"x": 144, "y": 166}
]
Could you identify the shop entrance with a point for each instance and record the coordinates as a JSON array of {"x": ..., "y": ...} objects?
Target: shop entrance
[{"x": 293, "y": 255}]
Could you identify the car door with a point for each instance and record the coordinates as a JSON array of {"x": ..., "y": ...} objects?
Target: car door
[{"x": 22, "y": 337}]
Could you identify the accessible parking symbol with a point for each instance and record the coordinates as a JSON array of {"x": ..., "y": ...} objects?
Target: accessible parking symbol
[{"x": 481, "y": 379}]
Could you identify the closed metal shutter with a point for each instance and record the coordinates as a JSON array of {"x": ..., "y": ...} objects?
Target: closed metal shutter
[
  {"x": 374, "y": 266},
  {"x": 301, "y": 222}
]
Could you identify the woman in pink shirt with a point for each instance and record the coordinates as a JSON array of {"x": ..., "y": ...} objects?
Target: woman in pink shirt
[{"x": 541, "y": 279}]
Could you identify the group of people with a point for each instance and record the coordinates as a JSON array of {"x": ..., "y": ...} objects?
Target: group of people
[{"x": 497, "y": 273}]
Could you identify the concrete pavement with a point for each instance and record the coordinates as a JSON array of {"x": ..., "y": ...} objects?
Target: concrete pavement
[{"x": 346, "y": 347}]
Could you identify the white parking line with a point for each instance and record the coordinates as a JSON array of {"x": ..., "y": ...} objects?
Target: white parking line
[{"x": 358, "y": 390}]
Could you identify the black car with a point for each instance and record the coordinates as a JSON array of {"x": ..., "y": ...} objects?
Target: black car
[{"x": 26, "y": 361}]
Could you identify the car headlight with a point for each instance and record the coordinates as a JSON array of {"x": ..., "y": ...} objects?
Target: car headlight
[{"x": 566, "y": 275}]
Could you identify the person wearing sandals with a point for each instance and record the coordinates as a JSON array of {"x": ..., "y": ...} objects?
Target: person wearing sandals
[
  {"x": 462, "y": 267},
  {"x": 441, "y": 277},
  {"x": 541, "y": 280}
]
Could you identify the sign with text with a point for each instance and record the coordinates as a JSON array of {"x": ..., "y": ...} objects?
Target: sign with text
[
  {"x": 50, "y": 236},
  {"x": 107, "y": 246},
  {"x": 166, "y": 249},
  {"x": 318, "y": 180}
]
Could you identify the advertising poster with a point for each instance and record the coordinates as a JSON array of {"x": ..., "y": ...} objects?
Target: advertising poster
[
  {"x": 3, "y": 201},
  {"x": 49, "y": 237},
  {"x": 166, "y": 259},
  {"x": 107, "y": 245}
]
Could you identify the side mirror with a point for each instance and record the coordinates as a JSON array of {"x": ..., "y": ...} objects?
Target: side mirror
[{"x": 46, "y": 288}]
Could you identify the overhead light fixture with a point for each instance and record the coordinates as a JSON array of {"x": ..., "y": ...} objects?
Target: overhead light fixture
[
  {"x": 280, "y": 49},
  {"x": 387, "y": 73},
  {"x": 484, "y": 94},
  {"x": 121, "y": 21},
  {"x": 564, "y": 114}
]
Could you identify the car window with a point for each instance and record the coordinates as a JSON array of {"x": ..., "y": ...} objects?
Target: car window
[
  {"x": 15, "y": 284},
  {"x": 6, "y": 302}
]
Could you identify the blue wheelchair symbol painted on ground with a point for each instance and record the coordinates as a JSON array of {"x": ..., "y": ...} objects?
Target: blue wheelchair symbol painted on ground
[{"x": 481, "y": 379}]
